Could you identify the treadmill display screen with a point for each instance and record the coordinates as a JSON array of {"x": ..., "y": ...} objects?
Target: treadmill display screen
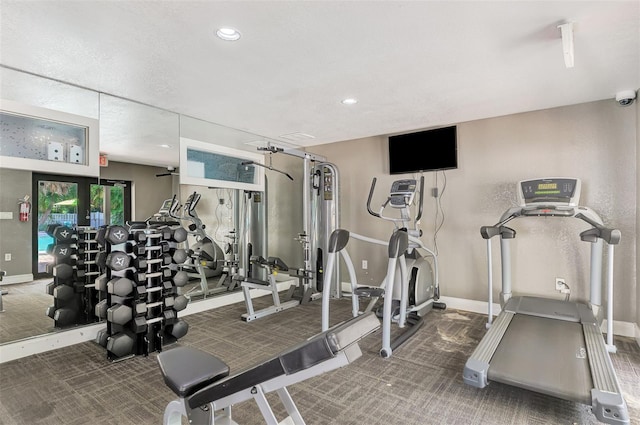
[{"x": 548, "y": 190}]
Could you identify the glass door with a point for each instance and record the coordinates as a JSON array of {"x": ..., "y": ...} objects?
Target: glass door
[
  {"x": 56, "y": 203},
  {"x": 110, "y": 203},
  {"x": 74, "y": 201}
]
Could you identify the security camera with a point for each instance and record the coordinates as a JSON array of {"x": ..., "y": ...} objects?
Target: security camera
[{"x": 625, "y": 97}]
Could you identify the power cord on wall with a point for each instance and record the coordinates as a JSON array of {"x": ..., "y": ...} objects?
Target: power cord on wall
[{"x": 439, "y": 216}]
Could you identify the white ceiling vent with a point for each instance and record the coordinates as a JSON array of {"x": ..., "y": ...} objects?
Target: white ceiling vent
[
  {"x": 296, "y": 137},
  {"x": 263, "y": 143}
]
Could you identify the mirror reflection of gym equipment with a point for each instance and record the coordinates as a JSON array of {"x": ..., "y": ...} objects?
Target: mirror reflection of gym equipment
[
  {"x": 552, "y": 346},
  {"x": 205, "y": 257},
  {"x": 410, "y": 288}
]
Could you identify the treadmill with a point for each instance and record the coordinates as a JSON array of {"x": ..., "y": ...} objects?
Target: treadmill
[{"x": 552, "y": 346}]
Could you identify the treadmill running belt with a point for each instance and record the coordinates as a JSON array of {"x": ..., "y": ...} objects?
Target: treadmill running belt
[{"x": 544, "y": 355}]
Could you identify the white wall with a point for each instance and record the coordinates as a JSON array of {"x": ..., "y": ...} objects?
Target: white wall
[{"x": 596, "y": 142}]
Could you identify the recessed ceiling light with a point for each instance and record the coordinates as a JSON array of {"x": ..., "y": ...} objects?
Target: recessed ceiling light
[
  {"x": 166, "y": 146},
  {"x": 349, "y": 101},
  {"x": 228, "y": 34}
]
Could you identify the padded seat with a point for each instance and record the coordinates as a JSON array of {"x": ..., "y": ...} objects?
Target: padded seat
[{"x": 187, "y": 369}]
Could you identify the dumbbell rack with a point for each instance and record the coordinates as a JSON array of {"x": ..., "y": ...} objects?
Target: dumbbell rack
[
  {"x": 74, "y": 271},
  {"x": 141, "y": 304},
  {"x": 88, "y": 251}
]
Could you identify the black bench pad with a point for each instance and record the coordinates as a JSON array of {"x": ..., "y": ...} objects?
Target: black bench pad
[{"x": 187, "y": 369}]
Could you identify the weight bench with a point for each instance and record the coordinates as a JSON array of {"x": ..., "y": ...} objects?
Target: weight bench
[{"x": 206, "y": 391}]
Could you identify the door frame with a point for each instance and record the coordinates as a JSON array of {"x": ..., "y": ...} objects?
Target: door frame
[{"x": 84, "y": 204}]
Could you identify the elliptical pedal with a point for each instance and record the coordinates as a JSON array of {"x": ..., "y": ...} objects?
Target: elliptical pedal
[{"x": 369, "y": 292}]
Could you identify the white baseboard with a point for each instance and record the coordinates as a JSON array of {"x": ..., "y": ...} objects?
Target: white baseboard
[
  {"x": 627, "y": 329},
  {"x": 470, "y": 305},
  {"x": 16, "y": 278},
  {"x": 40, "y": 344}
]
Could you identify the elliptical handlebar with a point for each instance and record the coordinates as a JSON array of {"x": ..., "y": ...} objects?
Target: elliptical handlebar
[
  {"x": 373, "y": 186},
  {"x": 174, "y": 207},
  {"x": 407, "y": 202},
  {"x": 419, "y": 216}
]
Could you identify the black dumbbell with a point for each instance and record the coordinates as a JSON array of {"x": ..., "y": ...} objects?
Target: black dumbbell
[
  {"x": 120, "y": 286},
  {"x": 178, "y": 329},
  {"x": 102, "y": 231},
  {"x": 116, "y": 234},
  {"x": 101, "y": 260},
  {"x": 50, "y": 287},
  {"x": 51, "y": 310},
  {"x": 64, "y": 292},
  {"x": 65, "y": 316},
  {"x": 51, "y": 227},
  {"x": 119, "y": 314},
  {"x": 101, "y": 283},
  {"x": 180, "y": 279},
  {"x": 120, "y": 344},
  {"x": 176, "y": 234},
  {"x": 178, "y": 303},
  {"x": 62, "y": 251},
  {"x": 60, "y": 233},
  {"x": 117, "y": 260},
  {"x": 102, "y": 337},
  {"x": 62, "y": 272},
  {"x": 100, "y": 309}
]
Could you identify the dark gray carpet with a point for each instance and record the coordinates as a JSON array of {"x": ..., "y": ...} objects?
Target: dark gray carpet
[
  {"x": 420, "y": 384},
  {"x": 25, "y": 311}
]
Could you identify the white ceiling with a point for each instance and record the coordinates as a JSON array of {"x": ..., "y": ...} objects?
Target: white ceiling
[{"x": 411, "y": 64}]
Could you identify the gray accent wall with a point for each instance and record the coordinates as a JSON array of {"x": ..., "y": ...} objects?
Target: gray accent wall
[
  {"x": 596, "y": 142},
  {"x": 15, "y": 236}
]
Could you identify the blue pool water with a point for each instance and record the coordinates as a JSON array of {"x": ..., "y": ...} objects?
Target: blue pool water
[{"x": 43, "y": 241}]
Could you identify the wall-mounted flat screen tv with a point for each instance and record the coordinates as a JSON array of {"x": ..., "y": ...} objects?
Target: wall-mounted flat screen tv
[{"x": 429, "y": 150}]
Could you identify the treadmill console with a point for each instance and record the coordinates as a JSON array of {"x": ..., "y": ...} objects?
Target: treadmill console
[
  {"x": 402, "y": 193},
  {"x": 549, "y": 192}
]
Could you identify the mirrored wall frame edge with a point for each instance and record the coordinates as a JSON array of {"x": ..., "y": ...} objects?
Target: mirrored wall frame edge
[{"x": 90, "y": 165}]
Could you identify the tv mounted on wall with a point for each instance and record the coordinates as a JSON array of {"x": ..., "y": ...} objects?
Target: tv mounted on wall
[{"x": 429, "y": 150}]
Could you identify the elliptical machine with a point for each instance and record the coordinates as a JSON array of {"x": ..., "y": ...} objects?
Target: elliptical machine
[
  {"x": 205, "y": 256},
  {"x": 410, "y": 288}
]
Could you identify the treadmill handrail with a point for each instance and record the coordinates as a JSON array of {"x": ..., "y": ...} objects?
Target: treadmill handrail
[{"x": 610, "y": 236}]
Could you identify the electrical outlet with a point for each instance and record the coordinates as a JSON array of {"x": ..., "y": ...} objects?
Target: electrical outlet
[
  {"x": 560, "y": 284},
  {"x": 221, "y": 201},
  {"x": 365, "y": 264},
  {"x": 7, "y": 257}
]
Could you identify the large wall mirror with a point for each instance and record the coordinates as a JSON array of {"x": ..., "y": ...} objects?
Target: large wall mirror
[{"x": 154, "y": 176}]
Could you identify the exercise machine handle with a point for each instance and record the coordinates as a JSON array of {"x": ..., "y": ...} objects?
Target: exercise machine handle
[
  {"x": 421, "y": 199},
  {"x": 373, "y": 186}
]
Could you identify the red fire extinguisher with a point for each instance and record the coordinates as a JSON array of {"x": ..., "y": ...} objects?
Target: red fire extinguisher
[{"x": 25, "y": 208}]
